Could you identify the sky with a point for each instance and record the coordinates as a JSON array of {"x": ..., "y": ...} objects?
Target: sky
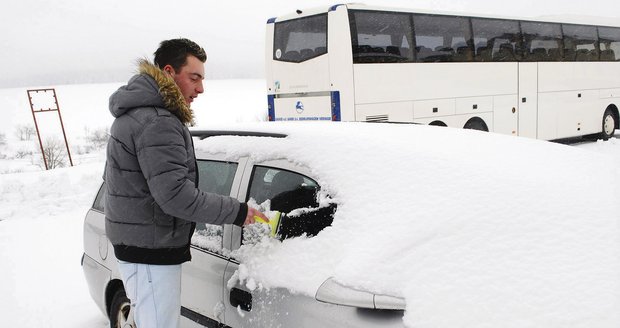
[{"x": 72, "y": 41}]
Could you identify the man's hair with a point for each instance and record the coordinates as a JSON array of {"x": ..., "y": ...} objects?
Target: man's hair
[{"x": 174, "y": 53}]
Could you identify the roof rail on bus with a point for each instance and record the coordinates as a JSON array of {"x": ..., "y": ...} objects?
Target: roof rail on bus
[{"x": 203, "y": 134}]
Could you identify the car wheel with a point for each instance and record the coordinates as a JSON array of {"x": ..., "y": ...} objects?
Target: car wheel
[
  {"x": 609, "y": 125},
  {"x": 120, "y": 311},
  {"x": 476, "y": 124}
]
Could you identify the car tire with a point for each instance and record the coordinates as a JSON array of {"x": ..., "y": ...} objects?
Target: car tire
[
  {"x": 608, "y": 125},
  {"x": 120, "y": 311}
]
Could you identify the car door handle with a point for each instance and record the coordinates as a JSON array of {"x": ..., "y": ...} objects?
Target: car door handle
[{"x": 241, "y": 298}]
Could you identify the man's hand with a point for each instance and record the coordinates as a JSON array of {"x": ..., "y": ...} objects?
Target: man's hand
[{"x": 249, "y": 219}]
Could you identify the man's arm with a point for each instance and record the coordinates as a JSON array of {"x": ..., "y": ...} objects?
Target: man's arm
[{"x": 162, "y": 156}]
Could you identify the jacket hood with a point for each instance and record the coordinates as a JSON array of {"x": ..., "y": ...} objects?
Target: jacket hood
[{"x": 151, "y": 88}]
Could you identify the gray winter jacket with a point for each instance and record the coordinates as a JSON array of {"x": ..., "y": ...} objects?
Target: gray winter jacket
[{"x": 152, "y": 199}]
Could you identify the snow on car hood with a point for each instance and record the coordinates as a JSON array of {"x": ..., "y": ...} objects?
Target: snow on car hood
[{"x": 472, "y": 229}]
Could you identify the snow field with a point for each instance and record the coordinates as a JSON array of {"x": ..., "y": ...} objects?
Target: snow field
[{"x": 471, "y": 230}]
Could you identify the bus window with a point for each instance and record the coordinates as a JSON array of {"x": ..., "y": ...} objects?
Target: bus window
[
  {"x": 609, "y": 40},
  {"x": 300, "y": 39},
  {"x": 542, "y": 41},
  {"x": 580, "y": 43},
  {"x": 496, "y": 40},
  {"x": 442, "y": 39},
  {"x": 380, "y": 37}
]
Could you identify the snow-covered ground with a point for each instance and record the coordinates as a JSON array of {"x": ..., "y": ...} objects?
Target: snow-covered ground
[{"x": 41, "y": 212}]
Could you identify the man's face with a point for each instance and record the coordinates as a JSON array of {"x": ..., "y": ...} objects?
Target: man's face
[{"x": 189, "y": 78}]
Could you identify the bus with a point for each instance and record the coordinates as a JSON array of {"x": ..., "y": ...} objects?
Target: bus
[{"x": 351, "y": 62}]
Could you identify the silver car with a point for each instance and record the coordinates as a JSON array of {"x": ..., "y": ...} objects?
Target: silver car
[{"x": 208, "y": 299}]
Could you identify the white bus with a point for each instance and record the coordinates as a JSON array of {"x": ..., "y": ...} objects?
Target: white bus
[{"x": 544, "y": 80}]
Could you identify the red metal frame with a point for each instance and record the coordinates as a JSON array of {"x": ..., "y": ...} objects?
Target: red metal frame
[{"x": 34, "y": 117}]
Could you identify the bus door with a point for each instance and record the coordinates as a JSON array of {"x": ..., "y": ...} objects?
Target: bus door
[
  {"x": 298, "y": 71},
  {"x": 528, "y": 99}
]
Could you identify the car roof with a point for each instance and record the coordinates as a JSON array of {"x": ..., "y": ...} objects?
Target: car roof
[{"x": 380, "y": 144}]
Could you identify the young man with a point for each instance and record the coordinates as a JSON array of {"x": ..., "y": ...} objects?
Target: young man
[{"x": 152, "y": 200}]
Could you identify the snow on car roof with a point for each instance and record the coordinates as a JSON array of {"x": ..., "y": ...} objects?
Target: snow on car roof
[{"x": 471, "y": 228}]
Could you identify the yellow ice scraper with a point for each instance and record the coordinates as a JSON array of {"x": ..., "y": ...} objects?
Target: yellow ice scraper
[{"x": 274, "y": 222}]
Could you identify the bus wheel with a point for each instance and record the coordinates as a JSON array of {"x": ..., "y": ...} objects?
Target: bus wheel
[
  {"x": 609, "y": 125},
  {"x": 437, "y": 123},
  {"x": 476, "y": 123}
]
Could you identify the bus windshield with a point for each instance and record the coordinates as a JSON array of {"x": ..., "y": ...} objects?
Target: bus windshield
[{"x": 300, "y": 39}]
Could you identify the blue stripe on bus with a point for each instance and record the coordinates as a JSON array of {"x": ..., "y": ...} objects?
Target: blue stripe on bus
[
  {"x": 332, "y": 8},
  {"x": 271, "y": 20},
  {"x": 335, "y": 100},
  {"x": 271, "y": 110}
]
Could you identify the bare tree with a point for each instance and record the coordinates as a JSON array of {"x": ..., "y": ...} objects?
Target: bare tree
[
  {"x": 23, "y": 153},
  {"x": 97, "y": 138},
  {"x": 55, "y": 153},
  {"x": 2, "y": 143},
  {"x": 24, "y": 132}
]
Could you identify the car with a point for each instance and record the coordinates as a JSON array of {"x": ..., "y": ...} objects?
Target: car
[
  {"x": 206, "y": 299},
  {"x": 387, "y": 225}
]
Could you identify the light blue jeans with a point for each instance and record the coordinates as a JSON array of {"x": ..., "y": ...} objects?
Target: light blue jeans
[{"x": 154, "y": 292}]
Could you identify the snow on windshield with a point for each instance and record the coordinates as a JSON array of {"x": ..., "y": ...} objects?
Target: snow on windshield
[{"x": 471, "y": 228}]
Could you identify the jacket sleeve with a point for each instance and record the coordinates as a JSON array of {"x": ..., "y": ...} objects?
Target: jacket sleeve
[{"x": 163, "y": 159}]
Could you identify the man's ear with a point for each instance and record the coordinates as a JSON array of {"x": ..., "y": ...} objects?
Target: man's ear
[{"x": 169, "y": 69}]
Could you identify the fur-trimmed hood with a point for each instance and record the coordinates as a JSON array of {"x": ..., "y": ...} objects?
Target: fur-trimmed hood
[{"x": 151, "y": 88}]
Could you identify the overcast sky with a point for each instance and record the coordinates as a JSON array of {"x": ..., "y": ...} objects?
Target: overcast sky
[{"x": 44, "y": 42}]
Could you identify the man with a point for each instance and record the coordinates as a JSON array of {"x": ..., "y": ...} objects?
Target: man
[{"x": 152, "y": 199}]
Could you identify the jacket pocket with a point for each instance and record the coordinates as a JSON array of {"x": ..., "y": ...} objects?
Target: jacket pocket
[{"x": 162, "y": 219}]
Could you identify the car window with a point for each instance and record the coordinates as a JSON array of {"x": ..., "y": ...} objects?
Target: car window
[
  {"x": 213, "y": 177},
  {"x": 216, "y": 177},
  {"x": 100, "y": 199},
  {"x": 295, "y": 196}
]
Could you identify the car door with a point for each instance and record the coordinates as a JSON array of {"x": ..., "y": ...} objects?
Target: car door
[
  {"x": 287, "y": 187},
  {"x": 203, "y": 277}
]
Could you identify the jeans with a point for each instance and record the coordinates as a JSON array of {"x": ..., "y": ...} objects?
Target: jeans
[{"x": 154, "y": 292}]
